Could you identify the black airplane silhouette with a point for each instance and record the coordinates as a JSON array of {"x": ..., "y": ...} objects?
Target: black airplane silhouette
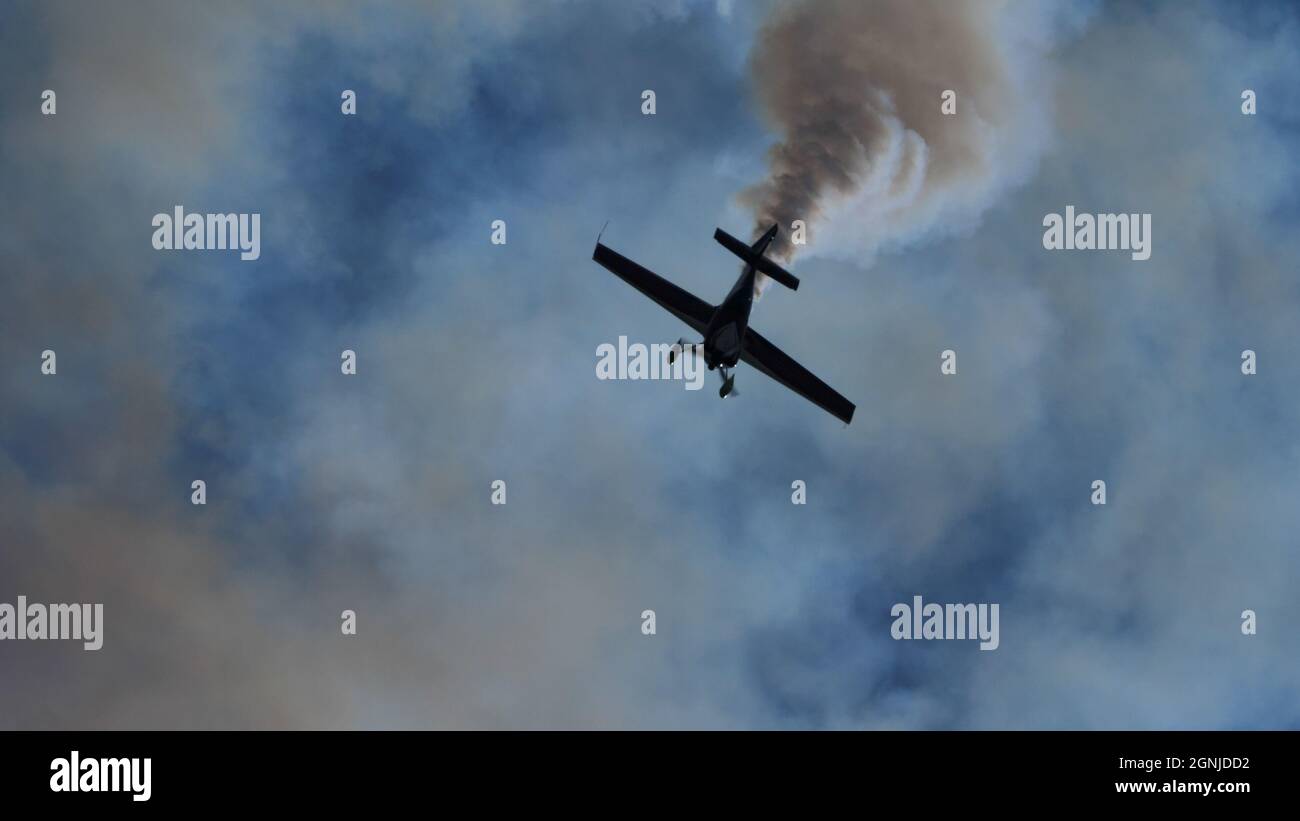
[{"x": 728, "y": 339}]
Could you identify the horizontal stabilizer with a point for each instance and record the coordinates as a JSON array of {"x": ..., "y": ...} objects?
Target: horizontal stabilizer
[{"x": 760, "y": 262}]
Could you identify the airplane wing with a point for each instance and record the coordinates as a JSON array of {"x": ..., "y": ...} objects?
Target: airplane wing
[
  {"x": 681, "y": 303},
  {"x": 758, "y": 353}
]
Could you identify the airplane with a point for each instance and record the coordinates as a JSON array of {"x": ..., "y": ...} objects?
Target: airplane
[{"x": 728, "y": 339}]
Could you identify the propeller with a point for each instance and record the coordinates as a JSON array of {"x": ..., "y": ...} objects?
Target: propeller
[{"x": 682, "y": 345}]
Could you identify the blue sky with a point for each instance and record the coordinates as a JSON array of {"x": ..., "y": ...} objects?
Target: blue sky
[{"x": 476, "y": 362}]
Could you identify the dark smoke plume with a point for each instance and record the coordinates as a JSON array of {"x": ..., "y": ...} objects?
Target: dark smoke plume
[{"x": 854, "y": 88}]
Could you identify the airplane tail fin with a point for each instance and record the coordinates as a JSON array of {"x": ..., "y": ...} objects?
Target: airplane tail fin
[{"x": 756, "y": 258}]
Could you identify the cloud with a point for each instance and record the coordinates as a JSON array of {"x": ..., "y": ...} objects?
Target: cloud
[{"x": 476, "y": 363}]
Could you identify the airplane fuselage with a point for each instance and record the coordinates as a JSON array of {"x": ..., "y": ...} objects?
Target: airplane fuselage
[{"x": 726, "y": 330}]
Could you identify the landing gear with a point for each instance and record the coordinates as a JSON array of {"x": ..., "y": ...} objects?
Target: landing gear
[{"x": 728, "y": 384}]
